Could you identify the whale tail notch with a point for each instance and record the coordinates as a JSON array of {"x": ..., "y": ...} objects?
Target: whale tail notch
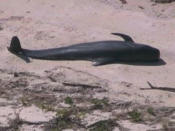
[{"x": 15, "y": 48}]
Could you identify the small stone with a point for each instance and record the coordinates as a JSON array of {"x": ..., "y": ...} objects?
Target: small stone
[
  {"x": 16, "y": 74},
  {"x": 1, "y": 28},
  {"x": 96, "y": 116},
  {"x": 163, "y": 1},
  {"x": 135, "y": 127},
  {"x": 34, "y": 114},
  {"x": 116, "y": 129},
  {"x": 6, "y": 114},
  {"x": 25, "y": 127},
  {"x": 28, "y": 12},
  {"x": 68, "y": 130},
  {"x": 64, "y": 105}
]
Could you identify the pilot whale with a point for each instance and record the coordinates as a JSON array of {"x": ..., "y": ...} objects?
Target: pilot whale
[{"x": 100, "y": 52}]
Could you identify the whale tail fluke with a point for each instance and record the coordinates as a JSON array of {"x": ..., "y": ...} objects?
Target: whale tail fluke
[{"x": 15, "y": 48}]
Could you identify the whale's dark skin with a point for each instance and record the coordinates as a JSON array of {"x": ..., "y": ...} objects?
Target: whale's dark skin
[{"x": 100, "y": 52}]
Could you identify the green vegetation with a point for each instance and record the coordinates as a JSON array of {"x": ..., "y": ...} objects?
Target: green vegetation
[
  {"x": 100, "y": 103},
  {"x": 63, "y": 113},
  {"x": 45, "y": 107},
  {"x": 68, "y": 100},
  {"x": 62, "y": 121},
  {"x": 135, "y": 116},
  {"x": 150, "y": 110},
  {"x": 24, "y": 101}
]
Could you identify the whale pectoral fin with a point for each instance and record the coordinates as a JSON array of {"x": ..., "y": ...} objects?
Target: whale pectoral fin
[
  {"x": 125, "y": 37},
  {"x": 103, "y": 61},
  {"x": 25, "y": 58}
]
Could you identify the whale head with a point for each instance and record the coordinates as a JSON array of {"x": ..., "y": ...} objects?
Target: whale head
[{"x": 147, "y": 53}]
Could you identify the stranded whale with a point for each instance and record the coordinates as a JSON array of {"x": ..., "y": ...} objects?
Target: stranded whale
[{"x": 100, "y": 52}]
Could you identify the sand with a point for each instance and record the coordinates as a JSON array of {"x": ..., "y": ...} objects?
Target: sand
[{"x": 56, "y": 23}]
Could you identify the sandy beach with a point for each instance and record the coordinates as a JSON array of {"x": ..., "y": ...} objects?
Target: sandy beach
[{"x": 55, "y": 23}]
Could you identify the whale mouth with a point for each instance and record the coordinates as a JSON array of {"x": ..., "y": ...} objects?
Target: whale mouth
[
  {"x": 150, "y": 53},
  {"x": 156, "y": 54}
]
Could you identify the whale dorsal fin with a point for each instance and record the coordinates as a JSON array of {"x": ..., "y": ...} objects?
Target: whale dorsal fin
[{"x": 125, "y": 37}]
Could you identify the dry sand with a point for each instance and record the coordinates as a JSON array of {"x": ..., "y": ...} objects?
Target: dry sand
[{"x": 55, "y": 23}]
